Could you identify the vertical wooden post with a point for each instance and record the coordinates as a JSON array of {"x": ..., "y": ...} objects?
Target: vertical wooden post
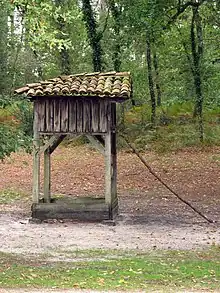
[
  {"x": 114, "y": 158},
  {"x": 114, "y": 170},
  {"x": 111, "y": 162},
  {"x": 36, "y": 157},
  {"x": 108, "y": 171},
  {"x": 47, "y": 175}
]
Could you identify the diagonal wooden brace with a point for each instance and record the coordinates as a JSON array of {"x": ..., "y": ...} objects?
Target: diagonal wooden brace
[{"x": 96, "y": 143}]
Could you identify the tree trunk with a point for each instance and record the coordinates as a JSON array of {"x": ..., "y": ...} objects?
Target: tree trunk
[
  {"x": 93, "y": 36},
  {"x": 64, "y": 53},
  {"x": 197, "y": 53},
  {"x": 157, "y": 83},
  {"x": 116, "y": 14},
  {"x": 151, "y": 82},
  {"x": 3, "y": 48}
]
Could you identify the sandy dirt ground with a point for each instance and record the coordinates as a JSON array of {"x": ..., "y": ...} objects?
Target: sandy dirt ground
[
  {"x": 17, "y": 235},
  {"x": 150, "y": 217}
]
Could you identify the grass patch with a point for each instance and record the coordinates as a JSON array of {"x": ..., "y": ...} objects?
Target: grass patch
[
  {"x": 8, "y": 196},
  {"x": 154, "y": 270},
  {"x": 216, "y": 159}
]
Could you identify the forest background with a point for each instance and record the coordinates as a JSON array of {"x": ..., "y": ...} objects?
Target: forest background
[{"x": 171, "y": 48}]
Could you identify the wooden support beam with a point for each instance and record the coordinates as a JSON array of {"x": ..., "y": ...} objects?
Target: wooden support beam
[
  {"x": 114, "y": 168},
  {"x": 108, "y": 171},
  {"x": 56, "y": 143},
  {"x": 47, "y": 176},
  {"x": 96, "y": 143},
  {"x": 114, "y": 154},
  {"x": 100, "y": 138},
  {"x": 36, "y": 157},
  {"x": 49, "y": 143},
  {"x": 111, "y": 164}
]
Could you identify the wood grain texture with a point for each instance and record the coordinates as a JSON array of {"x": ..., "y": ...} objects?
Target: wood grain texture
[
  {"x": 108, "y": 169},
  {"x": 95, "y": 119},
  {"x": 79, "y": 116},
  {"x": 41, "y": 111},
  {"x": 64, "y": 115},
  {"x": 47, "y": 175},
  {"x": 86, "y": 209},
  {"x": 72, "y": 115},
  {"x": 57, "y": 116},
  {"x": 36, "y": 156},
  {"x": 87, "y": 116}
]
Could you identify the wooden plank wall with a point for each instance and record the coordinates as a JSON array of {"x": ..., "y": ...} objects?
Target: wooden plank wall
[{"x": 72, "y": 115}]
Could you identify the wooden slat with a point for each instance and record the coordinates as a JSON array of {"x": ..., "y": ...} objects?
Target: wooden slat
[
  {"x": 49, "y": 115},
  {"x": 36, "y": 110},
  {"x": 113, "y": 116},
  {"x": 64, "y": 115},
  {"x": 87, "y": 116},
  {"x": 50, "y": 126},
  {"x": 57, "y": 124},
  {"x": 72, "y": 115},
  {"x": 79, "y": 116},
  {"x": 104, "y": 108},
  {"x": 41, "y": 110},
  {"x": 95, "y": 119}
]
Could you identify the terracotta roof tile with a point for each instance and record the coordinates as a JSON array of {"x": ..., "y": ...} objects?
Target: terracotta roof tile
[{"x": 106, "y": 85}]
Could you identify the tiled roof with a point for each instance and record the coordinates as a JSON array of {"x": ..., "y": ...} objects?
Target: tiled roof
[{"x": 115, "y": 85}]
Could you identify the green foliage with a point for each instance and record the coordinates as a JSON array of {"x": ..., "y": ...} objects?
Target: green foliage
[
  {"x": 175, "y": 129},
  {"x": 8, "y": 141},
  {"x": 24, "y": 113},
  {"x": 35, "y": 36},
  {"x": 17, "y": 133},
  {"x": 11, "y": 140}
]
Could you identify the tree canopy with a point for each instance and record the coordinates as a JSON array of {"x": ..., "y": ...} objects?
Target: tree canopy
[{"x": 171, "y": 48}]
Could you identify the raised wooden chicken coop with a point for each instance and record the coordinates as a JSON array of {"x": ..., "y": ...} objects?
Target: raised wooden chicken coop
[{"x": 82, "y": 104}]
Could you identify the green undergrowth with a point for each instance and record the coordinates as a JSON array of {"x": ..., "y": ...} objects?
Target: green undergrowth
[
  {"x": 175, "y": 128},
  {"x": 8, "y": 196},
  {"x": 155, "y": 270}
]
